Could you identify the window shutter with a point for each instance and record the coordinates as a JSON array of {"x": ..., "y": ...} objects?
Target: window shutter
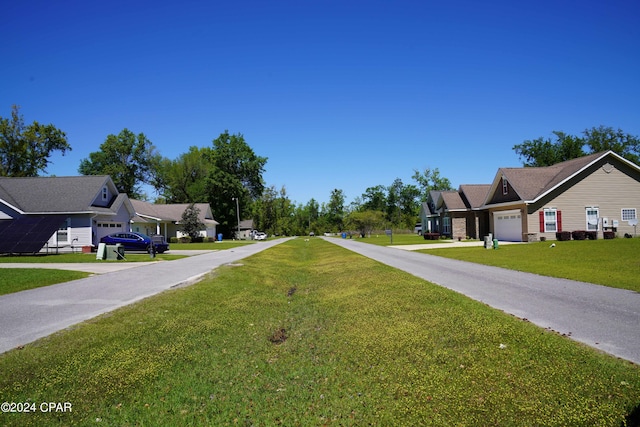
[
  {"x": 559, "y": 215},
  {"x": 541, "y": 221}
]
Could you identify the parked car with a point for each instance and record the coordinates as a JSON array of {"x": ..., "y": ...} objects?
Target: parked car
[
  {"x": 260, "y": 236},
  {"x": 136, "y": 241}
]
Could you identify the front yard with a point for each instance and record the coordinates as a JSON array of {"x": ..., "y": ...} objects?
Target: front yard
[{"x": 612, "y": 263}]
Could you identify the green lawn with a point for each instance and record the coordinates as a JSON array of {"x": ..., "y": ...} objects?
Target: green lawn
[
  {"x": 382, "y": 239},
  {"x": 307, "y": 334},
  {"x": 20, "y": 279},
  {"x": 612, "y": 263},
  {"x": 83, "y": 258}
]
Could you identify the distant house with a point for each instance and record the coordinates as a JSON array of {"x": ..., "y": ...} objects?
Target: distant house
[
  {"x": 60, "y": 212},
  {"x": 429, "y": 216},
  {"x": 164, "y": 219},
  {"x": 456, "y": 214},
  {"x": 596, "y": 193},
  {"x": 599, "y": 192},
  {"x": 246, "y": 230}
]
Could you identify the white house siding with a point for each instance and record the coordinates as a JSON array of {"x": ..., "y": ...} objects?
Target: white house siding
[
  {"x": 107, "y": 224},
  {"x": 609, "y": 191}
]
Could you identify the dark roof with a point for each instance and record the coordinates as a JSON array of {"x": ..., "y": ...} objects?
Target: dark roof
[
  {"x": 53, "y": 194},
  {"x": 474, "y": 194},
  {"x": 170, "y": 212},
  {"x": 452, "y": 200},
  {"x": 531, "y": 182}
]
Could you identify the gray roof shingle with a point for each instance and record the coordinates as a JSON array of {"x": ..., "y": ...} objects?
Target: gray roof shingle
[{"x": 52, "y": 194}]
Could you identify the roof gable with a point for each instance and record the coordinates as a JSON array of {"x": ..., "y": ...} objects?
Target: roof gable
[
  {"x": 474, "y": 195},
  {"x": 71, "y": 194},
  {"x": 528, "y": 184},
  {"x": 451, "y": 201}
]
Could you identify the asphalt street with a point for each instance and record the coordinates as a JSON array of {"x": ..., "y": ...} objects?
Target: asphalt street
[
  {"x": 604, "y": 318},
  {"x": 35, "y": 313}
]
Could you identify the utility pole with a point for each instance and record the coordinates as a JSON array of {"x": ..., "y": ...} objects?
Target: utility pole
[{"x": 238, "y": 215}]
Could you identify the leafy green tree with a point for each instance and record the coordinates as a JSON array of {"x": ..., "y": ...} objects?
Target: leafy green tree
[
  {"x": 547, "y": 151},
  {"x": 374, "y": 198},
  {"x": 430, "y": 180},
  {"x": 335, "y": 210},
  {"x": 236, "y": 171},
  {"x": 561, "y": 147},
  {"x": 129, "y": 159},
  {"x": 606, "y": 138},
  {"x": 25, "y": 149},
  {"x": 190, "y": 223},
  {"x": 365, "y": 221},
  {"x": 184, "y": 180}
]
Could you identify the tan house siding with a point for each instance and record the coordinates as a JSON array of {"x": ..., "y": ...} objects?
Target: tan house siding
[{"x": 607, "y": 187}]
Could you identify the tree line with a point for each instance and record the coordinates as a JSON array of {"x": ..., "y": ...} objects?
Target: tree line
[{"x": 229, "y": 169}]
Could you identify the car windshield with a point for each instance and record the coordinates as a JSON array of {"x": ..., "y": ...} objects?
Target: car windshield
[{"x": 144, "y": 236}]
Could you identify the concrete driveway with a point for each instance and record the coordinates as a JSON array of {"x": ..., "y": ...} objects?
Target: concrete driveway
[
  {"x": 605, "y": 318},
  {"x": 35, "y": 313}
]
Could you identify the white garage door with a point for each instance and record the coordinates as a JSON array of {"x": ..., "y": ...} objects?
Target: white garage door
[
  {"x": 507, "y": 226},
  {"x": 104, "y": 228}
]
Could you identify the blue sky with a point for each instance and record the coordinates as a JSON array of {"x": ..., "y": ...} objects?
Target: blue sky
[{"x": 337, "y": 94}]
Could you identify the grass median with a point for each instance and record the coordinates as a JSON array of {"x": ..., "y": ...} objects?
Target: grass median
[{"x": 308, "y": 333}]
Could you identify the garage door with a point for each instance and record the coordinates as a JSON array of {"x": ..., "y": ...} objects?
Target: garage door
[
  {"x": 104, "y": 228},
  {"x": 507, "y": 226}
]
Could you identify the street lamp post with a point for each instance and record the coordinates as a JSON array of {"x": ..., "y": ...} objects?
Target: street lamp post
[{"x": 238, "y": 215}]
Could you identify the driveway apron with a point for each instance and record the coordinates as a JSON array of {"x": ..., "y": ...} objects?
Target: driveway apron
[
  {"x": 35, "y": 313},
  {"x": 605, "y": 318}
]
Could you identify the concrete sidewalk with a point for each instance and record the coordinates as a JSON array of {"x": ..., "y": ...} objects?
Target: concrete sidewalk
[
  {"x": 447, "y": 245},
  {"x": 98, "y": 267},
  {"x": 35, "y": 313}
]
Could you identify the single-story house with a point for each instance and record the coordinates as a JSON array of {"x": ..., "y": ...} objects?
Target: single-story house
[
  {"x": 456, "y": 214},
  {"x": 155, "y": 218},
  {"x": 60, "y": 212},
  {"x": 246, "y": 230},
  {"x": 429, "y": 216},
  {"x": 599, "y": 192},
  {"x": 596, "y": 193}
]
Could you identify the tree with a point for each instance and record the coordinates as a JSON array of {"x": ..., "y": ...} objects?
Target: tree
[
  {"x": 190, "y": 223},
  {"x": 606, "y": 138},
  {"x": 365, "y": 221},
  {"x": 374, "y": 198},
  {"x": 235, "y": 171},
  {"x": 430, "y": 180},
  {"x": 546, "y": 152},
  {"x": 25, "y": 150},
  {"x": 129, "y": 159},
  {"x": 562, "y": 147},
  {"x": 184, "y": 180},
  {"x": 335, "y": 210}
]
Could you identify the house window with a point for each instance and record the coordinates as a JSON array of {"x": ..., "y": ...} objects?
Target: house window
[
  {"x": 62, "y": 235},
  {"x": 446, "y": 225},
  {"x": 105, "y": 194},
  {"x": 550, "y": 220},
  {"x": 592, "y": 219},
  {"x": 628, "y": 214},
  {"x": 505, "y": 186}
]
